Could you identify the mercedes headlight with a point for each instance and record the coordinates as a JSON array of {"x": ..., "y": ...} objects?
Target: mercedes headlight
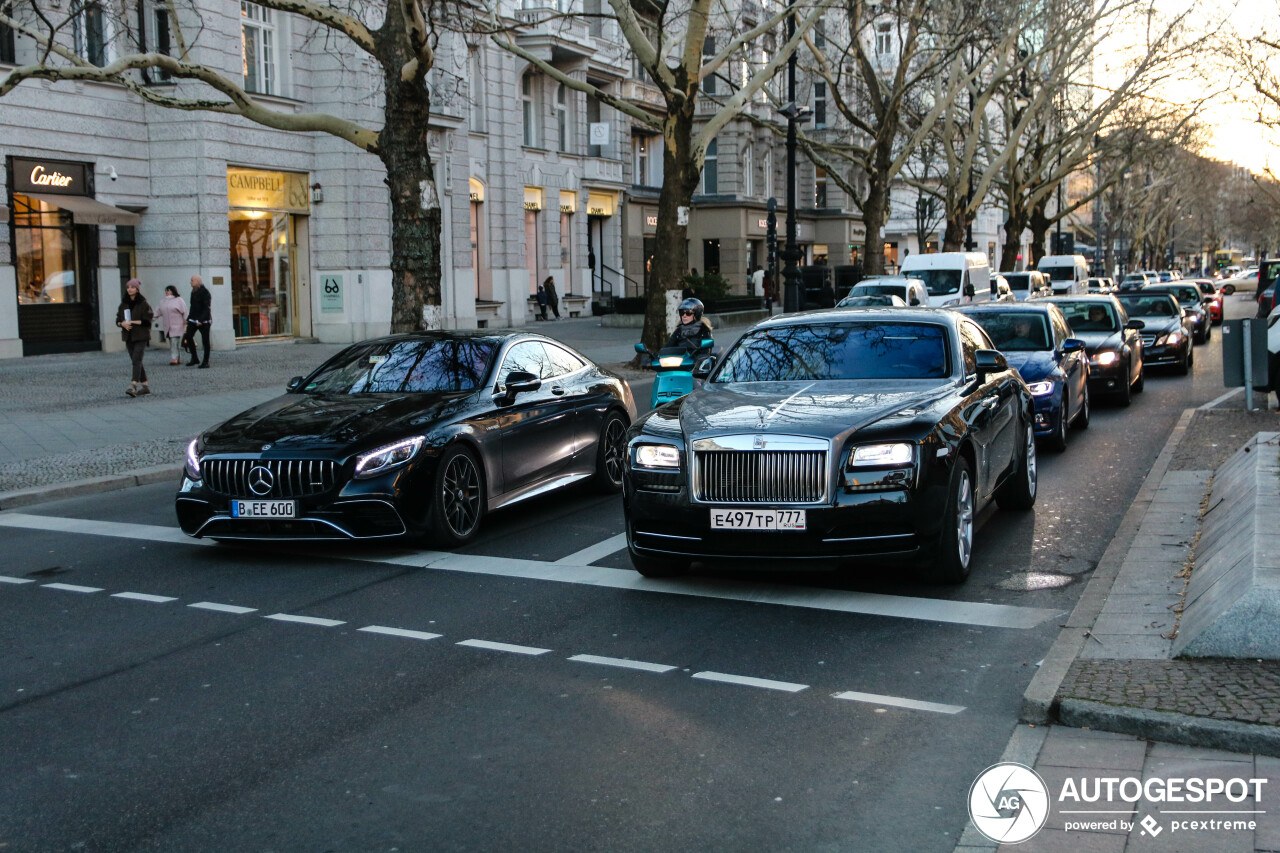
[
  {"x": 882, "y": 455},
  {"x": 656, "y": 456},
  {"x": 1172, "y": 339},
  {"x": 1106, "y": 359},
  {"x": 193, "y": 459},
  {"x": 388, "y": 456},
  {"x": 1041, "y": 389}
]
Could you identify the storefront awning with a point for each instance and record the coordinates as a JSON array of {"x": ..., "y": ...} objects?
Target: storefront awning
[{"x": 87, "y": 211}]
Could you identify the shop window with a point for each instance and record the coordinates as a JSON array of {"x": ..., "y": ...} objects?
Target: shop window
[
  {"x": 711, "y": 169},
  {"x": 258, "y": 49},
  {"x": 45, "y": 250},
  {"x": 90, "y": 31},
  {"x": 710, "y": 256},
  {"x": 529, "y": 104},
  {"x": 890, "y": 256}
]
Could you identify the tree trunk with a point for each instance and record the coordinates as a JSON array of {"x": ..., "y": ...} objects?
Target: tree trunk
[
  {"x": 873, "y": 215},
  {"x": 679, "y": 179},
  {"x": 1014, "y": 224},
  {"x": 1039, "y": 224},
  {"x": 953, "y": 237},
  {"x": 415, "y": 202}
]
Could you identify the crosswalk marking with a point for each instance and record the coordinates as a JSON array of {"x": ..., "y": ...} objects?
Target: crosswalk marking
[
  {"x": 748, "y": 681},
  {"x": 899, "y": 702},
  {"x": 598, "y": 551},
  {"x": 840, "y": 601}
]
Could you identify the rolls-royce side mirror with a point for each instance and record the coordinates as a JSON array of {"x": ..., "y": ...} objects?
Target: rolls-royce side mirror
[{"x": 294, "y": 384}]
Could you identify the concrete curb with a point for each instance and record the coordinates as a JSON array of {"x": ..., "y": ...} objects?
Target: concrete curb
[
  {"x": 91, "y": 486},
  {"x": 1039, "y": 700},
  {"x": 1171, "y": 728}
]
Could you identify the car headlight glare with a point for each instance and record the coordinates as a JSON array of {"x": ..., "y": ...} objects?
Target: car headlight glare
[
  {"x": 1171, "y": 339},
  {"x": 193, "y": 459},
  {"x": 881, "y": 455},
  {"x": 1106, "y": 359},
  {"x": 387, "y": 457},
  {"x": 1041, "y": 389},
  {"x": 657, "y": 456}
]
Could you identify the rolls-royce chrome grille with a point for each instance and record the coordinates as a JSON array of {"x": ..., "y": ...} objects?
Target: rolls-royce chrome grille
[
  {"x": 269, "y": 478},
  {"x": 748, "y": 469}
]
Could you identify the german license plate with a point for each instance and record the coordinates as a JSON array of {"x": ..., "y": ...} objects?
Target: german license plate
[
  {"x": 264, "y": 509},
  {"x": 757, "y": 519}
]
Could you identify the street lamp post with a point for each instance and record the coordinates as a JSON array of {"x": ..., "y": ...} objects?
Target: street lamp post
[{"x": 791, "y": 300}]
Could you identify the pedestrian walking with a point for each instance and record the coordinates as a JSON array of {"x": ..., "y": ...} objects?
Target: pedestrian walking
[
  {"x": 542, "y": 302},
  {"x": 173, "y": 321},
  {"x": 553, "y": 301},
  {"x": 134, "y": 318},
  {"x": 757, "y": 281},
  {"x": 199, "y": 320},
  {"x": 768, "y": 291}
]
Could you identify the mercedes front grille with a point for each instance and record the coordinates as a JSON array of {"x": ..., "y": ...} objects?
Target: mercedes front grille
[{"x": 290, "y": 478}]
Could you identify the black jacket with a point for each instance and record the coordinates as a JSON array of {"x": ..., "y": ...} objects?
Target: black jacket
[
  {"x": 138, "y": 310},
  {"x": 201, "y": 306},
  {"x": 689, "y": 335}
]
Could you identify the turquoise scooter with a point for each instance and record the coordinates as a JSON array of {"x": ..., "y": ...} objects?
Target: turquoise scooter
[{"x": 674, "y": 366}]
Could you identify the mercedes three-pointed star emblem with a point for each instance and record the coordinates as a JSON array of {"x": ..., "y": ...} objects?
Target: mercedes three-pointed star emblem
[{"x": 261, "y": 480}]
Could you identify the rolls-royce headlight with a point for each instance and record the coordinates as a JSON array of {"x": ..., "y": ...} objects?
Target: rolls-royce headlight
[
  {"x": 193, "y": 459},
  {"x": 657, "y": 456},
  {"x": 388, "y": 456},
  {"x": 1041, "y": 389},
  {"x": 1106, "y": 359},
  {"x": 882, "y": 455}
]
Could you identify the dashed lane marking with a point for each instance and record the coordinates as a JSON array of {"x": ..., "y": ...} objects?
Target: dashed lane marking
[
  {"x": 400, "y": 632},
  {"x": 840, "y": 601},
  {"x": 6, "y": 579},
  {"x": 899, "y": 702},
  {"x": 305, "y": 620},
  {"x": 748, "y": 681},
  {"x": 625, "y": 663},
  {"x": 70, "y": 587},
  {"x": 503, "y": 647},
  {"x": 598, "y": 551},
  {"x": 222, "y": 608},
  {"x": 143, "y": 596}
]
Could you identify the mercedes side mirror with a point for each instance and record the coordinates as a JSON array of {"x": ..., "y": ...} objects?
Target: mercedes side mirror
[
  {"x": 703, "y": 368},
  {"x": 1136, "y": 325},
  {"x": 294, "y": 384},
  {"x": 519, "y": 382},
  {"x": 990, "y": 361},
  {"x": 1071, "y": 345}
]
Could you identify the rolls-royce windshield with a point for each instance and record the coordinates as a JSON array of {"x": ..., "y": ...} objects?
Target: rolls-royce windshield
[{"x": 839, "y": 351}]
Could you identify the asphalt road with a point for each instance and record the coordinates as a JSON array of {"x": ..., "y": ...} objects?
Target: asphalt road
[{"x": 529, "y": 692}]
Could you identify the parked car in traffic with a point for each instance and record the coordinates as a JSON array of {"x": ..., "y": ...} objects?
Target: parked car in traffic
[
  {"x": 1212, "y": 298},
  {"x": 949, "y": 276},
  {"x": 1029, "y": 284},
  {"x": 878, "y": 300},
  {"x": 1036, "y": 339},
  {"x": 1166, "y": 339},
  {"x": 1100, "y": 284},
  {"x": 1137, "y": 281},
  {"x": 1191, "y": 300},
  {"x": 910, "y": 290},
  {"x": 1111, "y": 341},
  {"x": 410, "y": 434},
  {"x": 1067, "y": 273},
  {"x": 836, "y": 435}
]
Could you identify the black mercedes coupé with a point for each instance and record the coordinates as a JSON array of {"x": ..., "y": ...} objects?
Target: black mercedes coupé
[
  {"x": 834, "y": 435},
  {"x": 409, "y": 434}
]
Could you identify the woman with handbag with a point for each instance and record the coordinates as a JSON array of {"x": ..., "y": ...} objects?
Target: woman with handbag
[
  {"x": 173, "y": 321},
  {"x": 134, "y": 318}
]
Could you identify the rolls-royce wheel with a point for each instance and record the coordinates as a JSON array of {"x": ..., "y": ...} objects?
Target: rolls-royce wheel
[
  {"x": 1082, "y": 416},
  {"x": 956, "y": 547},
  {"x": 1019, "y": 492},
  {"x": 611, "y": 454},
  {"x": 457, "y": 498},
  {"x": 655, "y": 567}
]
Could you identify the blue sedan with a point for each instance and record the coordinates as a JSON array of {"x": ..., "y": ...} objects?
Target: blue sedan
[{"x": 1036, "y": 339}]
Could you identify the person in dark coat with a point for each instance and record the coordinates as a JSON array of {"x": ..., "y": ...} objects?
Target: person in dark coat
[
  {"x": 542, "y": 302},
  {"x": 199, "y": 319},
  {"x": 553, "y": 300},
  {"x": 693, "y": 328},
  {"x": 134, "y": 318}
]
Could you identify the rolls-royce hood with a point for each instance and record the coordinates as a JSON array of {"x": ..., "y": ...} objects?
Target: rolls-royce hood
[
  {"x": 825, "y": 409},
  {"x": 332, "y": 422}
]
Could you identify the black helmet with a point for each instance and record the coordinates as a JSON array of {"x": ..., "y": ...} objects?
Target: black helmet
[{"x": 694, "y": 305}]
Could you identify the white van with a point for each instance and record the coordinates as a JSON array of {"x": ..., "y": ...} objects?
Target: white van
[
  {"x": 1068, "y": 274},
  {"x": 951, "y": 277}
]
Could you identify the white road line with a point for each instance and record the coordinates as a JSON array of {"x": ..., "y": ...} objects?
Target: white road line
[
  {"x": 598, "y": 551},
  {"x": 6, "y": 579},
  {"x": 306, "y": 620},
  {"x": 399, "y": 632},
  {"x": 222, "y": 608},
  {"x": 1214, "y": 403},
  {"x": 899, "y": 702},
  {"x": 142, "y": 596},
  {"x": 624, "y": 663},
  {"x": 840, "y": 601},
  {"x": 503, "y": 647},
  {"x": 748, "y": 681},
  {"x": 70, "y": 587}
]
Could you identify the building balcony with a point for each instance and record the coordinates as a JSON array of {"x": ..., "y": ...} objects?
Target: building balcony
[
  {"x": 599, "y": 170},
  {"x": 553, "y": 37}
]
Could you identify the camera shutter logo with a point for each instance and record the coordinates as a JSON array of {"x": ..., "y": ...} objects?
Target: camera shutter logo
[
  {"x": 1008, "y": 803},
  {"x": 261, "y": 480}
]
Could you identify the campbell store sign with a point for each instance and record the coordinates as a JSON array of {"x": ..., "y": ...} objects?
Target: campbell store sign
[
  {"x": 54, "y": 177},
  {"x": 256, "y": 189}
]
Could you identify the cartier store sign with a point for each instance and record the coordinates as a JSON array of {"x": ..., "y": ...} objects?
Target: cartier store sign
[{"x": 54, "y": 177}]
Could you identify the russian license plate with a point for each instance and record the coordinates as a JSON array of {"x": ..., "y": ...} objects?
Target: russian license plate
[
  {"x": 757, "y": 519},
  {"x": 264, "y": 509}
]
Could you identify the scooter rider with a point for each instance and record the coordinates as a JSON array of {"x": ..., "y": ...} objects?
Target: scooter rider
[{"x": 693, "y": 328}]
